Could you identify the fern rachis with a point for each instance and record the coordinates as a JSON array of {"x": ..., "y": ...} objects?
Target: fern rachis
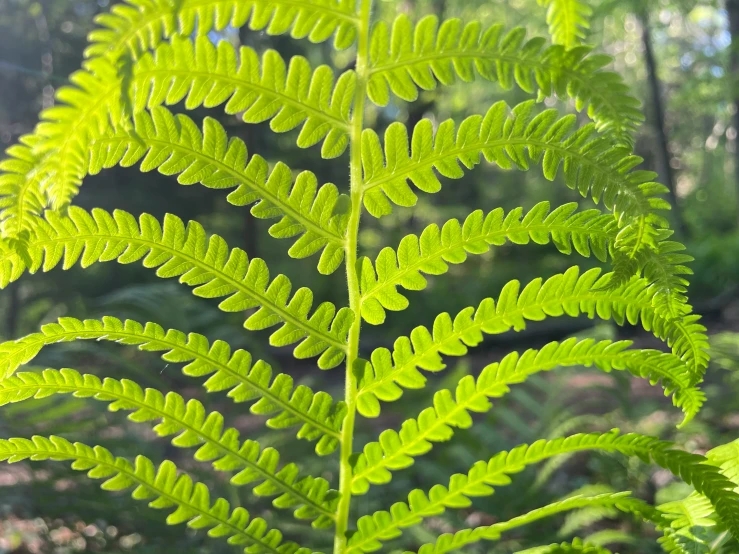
[{"x": 144, "y": 58}]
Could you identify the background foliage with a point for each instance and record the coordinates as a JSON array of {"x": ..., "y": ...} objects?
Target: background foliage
[{"x": 691, "y": 118}]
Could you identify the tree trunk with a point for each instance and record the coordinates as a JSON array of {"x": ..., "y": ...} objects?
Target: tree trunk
[
  {"x": 658, "y": 113},
  {"x": 732, "y": 8}
]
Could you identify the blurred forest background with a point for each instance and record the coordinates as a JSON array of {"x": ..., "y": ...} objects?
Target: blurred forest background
[{"x": 677, "y": 57}]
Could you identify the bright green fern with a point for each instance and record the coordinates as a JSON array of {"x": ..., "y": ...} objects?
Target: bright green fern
[
  {"x": 149, "y": 54},
  {"x": 568, "y": 20}
]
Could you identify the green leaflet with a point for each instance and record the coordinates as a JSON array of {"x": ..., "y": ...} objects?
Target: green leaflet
[
  {"x": 102, "y": 98},
  {"x": 264, "y": 89},
  {"x": 585, "y": 232},
  {"x": 91, "y": 104},
  {"x": 608, "y": 536},
  {"x": 692, "y": 516},
  {"x": 663, "y": 265},
  {"x": 576, "y": 546},
  {"x": 21, "y": 200},
  {"x": 570, "y": 293},
  {"x": 174, "y": 145},
  {"x": 186, "y": 252},
  {"x": 708, "y": 480},
  {"x": 162, "y": 486},
  {"x": 397, "y": 450},
  {"x": 568, "y": 21},
  {"x": 138, "y": 25},
  {"x": 193, "y": 427},
  {"x": 448, "y": 542},
  {"x": 674, "y": 543},
  {"x": 45, "y": 169},
  {"x": 591, "y": 163},
  {"x": 585, "y": 518},
  {"x": 687, "y": 517},
  {"x": 483, "y": 478},
  {"x": 726, "y": 457},
  {"x": 692, "y": 468},
  {"x": 589, "y": 516},
  {"x": 407, "y": 59},
  {"x": 316, "y": 413},
  {"x": 692, "y": 511}
]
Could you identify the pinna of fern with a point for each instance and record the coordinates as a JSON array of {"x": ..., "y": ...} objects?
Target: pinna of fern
[
  {"x": 135, "y": 27},
  {"x": 576, "y": 545},
  {"x": 568, "y": 20},
  {"x": 149, "y": 54},
  {"x": 161, "y": 485},
  {"x": 245, "y": 380}
]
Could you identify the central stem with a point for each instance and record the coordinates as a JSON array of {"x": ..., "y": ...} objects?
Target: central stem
[{"x": 350, "y": 396}]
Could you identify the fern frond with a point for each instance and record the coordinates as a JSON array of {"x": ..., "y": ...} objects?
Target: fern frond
[
  {"x": 610, "y": 536},
  {"x": 485, "y": 476},
  {"x": 661, "y": 261},
  {"x": 569, "y": 293},
  {"x": 568, "y": 21},
  {"x": 726, "y": 457},
  {"x": 407, "y": 59},
  {"x": 175, "y": 145},
  {"x": 707, "y": 479},
  {"x": 193, "y": 427},
  {"x": 687, "y": 520},
  {"x": 693, "y": 511},
  {"x": 591, "y": 164},
  {"x": 90, "y": 104},
  {"x": 515, "y": 137},
  {"x": 584, "y": 518},
  {"x": 45, "y": 165},
  {"x": 396, "y": 450},
  {"x": 691, "y": 516},
  {"x": 163, "y": 486},
  {"x": 449, "y": 542},
  {"x": 316, "y": 413},
  {"x": 266, "y": 89},
  {"x": 692, "y": 468},
  {"x": 22, "y": 201},
  {"x": 135, "y": 26},
  {"x": 588, "y": 516},
  {"x": 101, "y": 98},
  {"x": 687, "y": 338},
  {"x": 586, "y": 232},
  {"x": 187, "y": 253},
  {"x": 146, "y": 55},
  {"x": 675, "y": 543},
  {"x": 575, "y": 546},
  {"x": 676, "y": 377}
]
